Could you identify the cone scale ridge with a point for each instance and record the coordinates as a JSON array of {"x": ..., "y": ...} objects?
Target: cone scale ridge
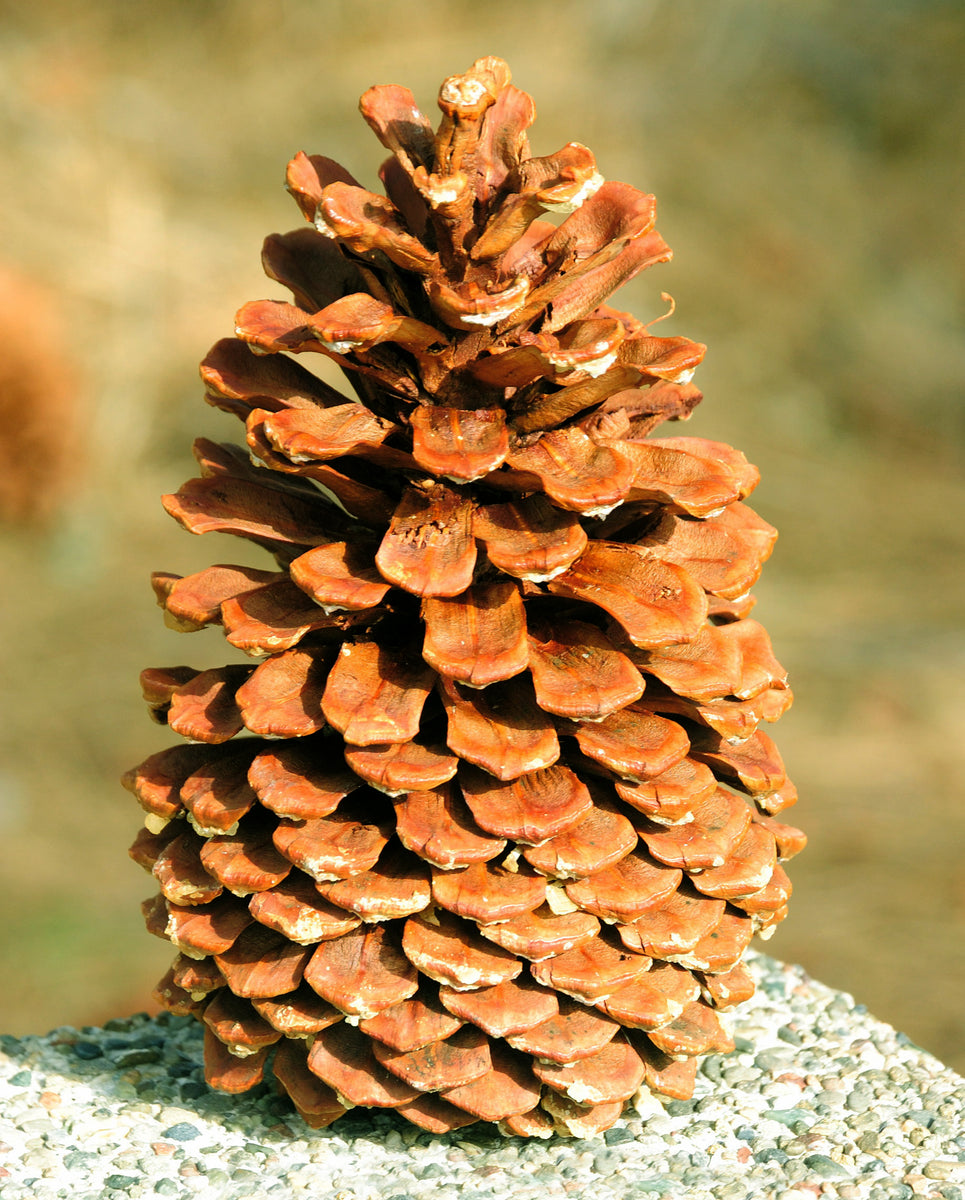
[{"x": 482, "y": 829}]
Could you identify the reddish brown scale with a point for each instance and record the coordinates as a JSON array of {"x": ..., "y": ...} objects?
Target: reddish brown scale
[
  {"x": 418, "y": 1021},
  {"x": 542, "y": 933},
  {"x": 574, "y": 1032},
  {"x": 363, "y": 972},
  {"x": 503, "y": 1010},
  {"x": 445, "y": 1063},
  {"x": 439, "y": 827},
  {"x": 612, "y": 1073}
]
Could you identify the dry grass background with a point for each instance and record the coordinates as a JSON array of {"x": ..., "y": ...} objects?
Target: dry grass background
[{"x": 807, "y": 158}]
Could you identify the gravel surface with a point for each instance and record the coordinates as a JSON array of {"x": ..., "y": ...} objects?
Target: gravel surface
[{"x": 818, "y": 1099}]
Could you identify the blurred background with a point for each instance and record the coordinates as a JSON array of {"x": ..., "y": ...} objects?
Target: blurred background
[{"x": 807, "y": 158}]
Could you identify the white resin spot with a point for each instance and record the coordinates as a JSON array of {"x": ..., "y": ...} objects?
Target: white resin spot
[
  {"x": 462, "y": 91},
  {"x": 589, "y": 188}
]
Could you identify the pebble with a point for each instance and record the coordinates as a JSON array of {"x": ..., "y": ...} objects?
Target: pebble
[
  {"x": 939, "y": 1169},
  {"x": 120, "y": 1181},
  {"x": 818, "y": 1100},
  {"x": 133, "y": 1058},
  {"x": 88, "y": 1050},
  {"x": 613, "y": 1137},
  {"x": 775, "y": 1059},
  {"x": 859, "y": 1099},
  {"x": 183, "y": 1131}
]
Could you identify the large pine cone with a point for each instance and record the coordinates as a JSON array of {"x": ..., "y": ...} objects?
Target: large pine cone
[{"x": 518, "y": 829}]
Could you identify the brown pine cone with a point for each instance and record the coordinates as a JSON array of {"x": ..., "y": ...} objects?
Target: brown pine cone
[{"x": 500, "y": 822}]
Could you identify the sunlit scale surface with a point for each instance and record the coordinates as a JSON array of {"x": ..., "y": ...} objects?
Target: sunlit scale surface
[{"x": 484, "y": 830}]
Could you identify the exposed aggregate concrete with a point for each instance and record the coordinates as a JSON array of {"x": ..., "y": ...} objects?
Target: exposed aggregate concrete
[{"x": 818, "y": 1099}]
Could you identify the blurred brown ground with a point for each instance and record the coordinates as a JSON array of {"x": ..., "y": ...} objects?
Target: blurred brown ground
[{"x": 807, "y": 159}]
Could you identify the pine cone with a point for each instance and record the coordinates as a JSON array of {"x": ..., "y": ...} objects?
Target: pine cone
[{"x": 503, "y": 823}]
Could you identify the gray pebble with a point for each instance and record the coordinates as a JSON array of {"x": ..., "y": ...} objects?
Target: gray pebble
[
  {"x": 738, "y": 1074},
  {"x": 730, "y": 1191},
  {"x": 41, "y": 1160},
  {"x": 787, "y": 1116},
  {"x": 712, "y": 1067},
  {"x": 618, "y": 1134},
  {"x": 88, "y": 1050},
  {"x": 859, "y": 1099},
  {"x": 77, "y": 1160},
  {"x": 545, "y": 1174},
  {"x": 795, "y": 1170},
  {"x": 123, "y": 1182},
  {"x": 117, "y": 1023},
  {"x": 37, "y": 1126},
  {"x": 134, "y": 1058},
  {"x": 183, "y": 1131},
  {"x": 826, "y": 1167},
  {"x": 774, "y": 1059},
  {"x": 607, "y": 1162},
  {"x": 921, "y": 1116}
]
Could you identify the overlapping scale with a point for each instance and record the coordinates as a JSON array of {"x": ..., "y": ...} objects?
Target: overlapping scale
[
  {"x": 542, "y": 933},
  {"x": 603, "y": 837},
  {"x": 591, "y": 971},
  {"x": 418, "y": 1021},
  {"x": 362, "y": 972},
  {"x": 438, "y": 826},
  {"x": 372, "y": 696},
  {"x": 501, "y": 729},
  {"x": 428, "y": 548},
  {"x": 447, "y": 1062},
  {"x": 505, "y": 1009},
  {"x": 396, "y": 886},
  {"x": 198, "y": 976},
  {"x": 530, "y": 809},
  {"x": 479, "y": 637},
  {"x": 572, "y": 1033},
  {"x": 485, "y": 833},
  {"x": 341, "y": 845},
  {"x": 246, "y": 861},
  {"x": 571, "y": 652}
]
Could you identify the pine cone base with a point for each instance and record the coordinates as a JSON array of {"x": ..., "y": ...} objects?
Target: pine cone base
[{"x": 485, "y": 833}]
